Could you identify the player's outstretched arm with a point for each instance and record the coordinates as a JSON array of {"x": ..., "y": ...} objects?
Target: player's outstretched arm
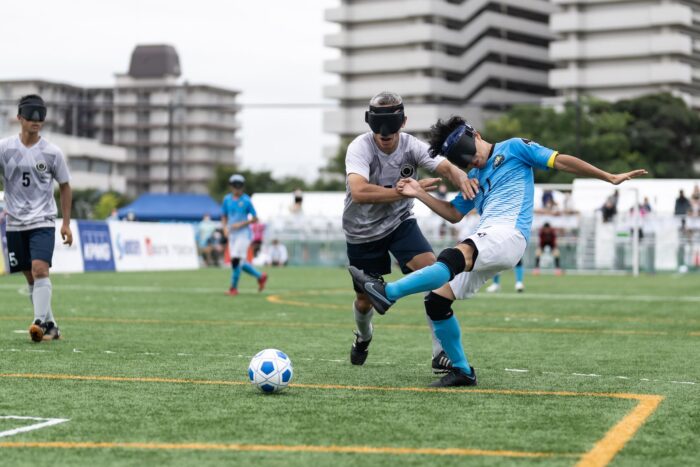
[
  {"x": 411, "y": 188},
  {"x": 580, "y": 167},
  {"x": 368, "y": 193},
  {"x": 66, "y": 203}
]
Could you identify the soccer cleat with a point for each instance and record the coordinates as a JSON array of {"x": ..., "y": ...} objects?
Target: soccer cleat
[
  {"x": 456, "y": 377},
  {"x": 373, "y": 288},
  {"x": 441, "y": 363},
  {"x": 36, "y": 331},
  {"x": 232, "y": 292},
  {"x": 51, "y": 331},
  {"x": 493, "y": 288},
  {"x": 536, "y": 272},
  {"x": 558, "y": 272},
  {"x": 519, "y": 287},
  {"x": 262, "y": 281},
  {"x": 358, "y": 352}
]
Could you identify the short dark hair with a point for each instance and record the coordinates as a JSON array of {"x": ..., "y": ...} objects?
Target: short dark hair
[
  {"x": 33, "y": 98},
  {"x": 440, "y": 131}
]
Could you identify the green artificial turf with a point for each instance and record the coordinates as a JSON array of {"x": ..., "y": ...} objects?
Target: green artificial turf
[{"x": 178, "y": 341}]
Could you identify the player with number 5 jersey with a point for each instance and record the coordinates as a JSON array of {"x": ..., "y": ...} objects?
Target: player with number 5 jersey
[{"x": 30, "y": 165}]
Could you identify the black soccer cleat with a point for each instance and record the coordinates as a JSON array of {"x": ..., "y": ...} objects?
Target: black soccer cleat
[
  {"x": 373, "y": 287},
  {"x": 456, "y": 377},
  {"x": 51, "y": 331},
  {"x": 359, "y": 352},
  {"x": 441, "y": 363}
]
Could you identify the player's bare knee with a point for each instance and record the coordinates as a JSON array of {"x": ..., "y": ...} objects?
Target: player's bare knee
[
  {"x": 40, "y": 270},
  {"x": 437, "y": 307},
  {"x": 362, "y": 303},
  {"x": 421, "y": 261}
]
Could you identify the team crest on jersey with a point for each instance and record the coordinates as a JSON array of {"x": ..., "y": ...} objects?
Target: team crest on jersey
[
  {"x": 498, "y": 160},
  {"x": 240, "y": 204},
  {"x": 41, "y": 167},
  {"x": 408, "y": 171}
]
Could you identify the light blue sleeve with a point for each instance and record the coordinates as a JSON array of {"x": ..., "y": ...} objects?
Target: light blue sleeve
[
  {"x": 462, "y": 205},
  {"x": 224, "y": 207},
  {"x": 534, "y": 154},
  {"x": 251, "y": 209}
]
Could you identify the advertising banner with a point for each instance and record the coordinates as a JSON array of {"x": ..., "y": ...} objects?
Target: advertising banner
[
  {"x": 96, "y": 246},
  {"x": 67, "y": 258},
  {"x": 142, "y": 246}
]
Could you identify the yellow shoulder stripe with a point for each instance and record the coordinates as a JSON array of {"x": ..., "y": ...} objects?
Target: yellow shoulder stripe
[{"x": 550, "y": 162}]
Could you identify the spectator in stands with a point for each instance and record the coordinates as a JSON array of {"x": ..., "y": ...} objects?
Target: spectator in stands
[
  {"x": 278, "y": 253},
  {"x": 609, "y": 208},
  {"x": 114, "y": 216},
  {"x": 205, "y": 229},
  {"x": 298, "y": 199},
  {"x": 547, "y": 198},
  {"x": 548, "y": 238},
  {"x": 258, "y": 230},
  {"x": 682, "y": 207},
  {"x": 695, "y": 201},
  {"x": 645, "y": 207}
]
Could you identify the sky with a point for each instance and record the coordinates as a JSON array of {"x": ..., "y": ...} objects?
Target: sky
[{"x": 271, "y": 51}]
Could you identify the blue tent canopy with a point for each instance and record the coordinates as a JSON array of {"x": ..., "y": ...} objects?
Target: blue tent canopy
[{"x": 183, "y": 207}]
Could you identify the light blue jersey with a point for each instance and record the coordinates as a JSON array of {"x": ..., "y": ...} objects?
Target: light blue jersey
[
  {"x": 506, "y": 184},
  {"x": 238, "y": 210}
]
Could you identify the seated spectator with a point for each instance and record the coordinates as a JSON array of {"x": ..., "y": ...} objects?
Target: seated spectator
[
  {"x": 258, "y": 232},
  {"x": 645, "y": 207},
  {"x": 298, "y": 199},
  {"x": 278, "y": 253},
  {"x": 205, "y": 229},
  {"x": 609, "y": 210},
  {"x": 695, "y": 201}
]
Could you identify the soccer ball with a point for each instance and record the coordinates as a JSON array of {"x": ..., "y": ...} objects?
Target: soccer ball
[{"x": 270, "y": 370}]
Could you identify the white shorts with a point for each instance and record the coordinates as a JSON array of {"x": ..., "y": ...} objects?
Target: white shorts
[
  {"x": 238, "y": 246},
  {"x": 500, "y": 248}
]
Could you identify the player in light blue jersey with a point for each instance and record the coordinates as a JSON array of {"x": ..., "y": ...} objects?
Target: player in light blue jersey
[
  {"x": 505, "y": 202},
  {"x": 237, "y": 213}
]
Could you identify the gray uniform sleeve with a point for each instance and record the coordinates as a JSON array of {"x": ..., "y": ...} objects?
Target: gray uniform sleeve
[
  {"x": 356, "y": 160},
  {"x": 60, "y": 170},
  {"x": 420, "y": 149}
]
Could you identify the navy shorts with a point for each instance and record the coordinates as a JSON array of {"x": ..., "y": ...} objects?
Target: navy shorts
[
  {"x": 405, "y": 243},
  {"x": 27, "y": 245}
]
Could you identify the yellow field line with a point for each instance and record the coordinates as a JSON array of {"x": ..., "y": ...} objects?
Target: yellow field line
[
  {"x": 468, "y": 329},
  {"x": 601, "y": 454},
  {"x": 282, "y": 448},
  {"x": 615, "y": 439}
]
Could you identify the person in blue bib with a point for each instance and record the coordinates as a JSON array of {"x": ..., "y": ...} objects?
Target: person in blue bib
[
  {"x": 237, "y": 213},
  {"x": 504, "y": 171}
]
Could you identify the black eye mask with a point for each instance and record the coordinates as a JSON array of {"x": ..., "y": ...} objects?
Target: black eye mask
[
  {"x": 385, "y": 121},
  {"x": 460, "y": 147}
]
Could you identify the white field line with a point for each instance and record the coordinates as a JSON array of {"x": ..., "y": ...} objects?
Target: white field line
[
  {"x": 333, "y": 360},
  {"x": 36, "y": 426},
  {"x": 508, "y": 296}
]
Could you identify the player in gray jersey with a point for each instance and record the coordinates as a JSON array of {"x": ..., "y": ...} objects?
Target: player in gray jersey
[
  {"x": 377, "y": 219},
  {"x": 30, "y": 164}
]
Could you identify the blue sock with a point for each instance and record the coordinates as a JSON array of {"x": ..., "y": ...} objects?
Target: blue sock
[
  {"x": 251, "y": 270},
  {"x": 519, "y": 273},
  {"x": 235, "y": 275},
  {"x": 497, "y": 279},
  {"x": 423, "y": 280},
  {"x": 450, "y": 335}
]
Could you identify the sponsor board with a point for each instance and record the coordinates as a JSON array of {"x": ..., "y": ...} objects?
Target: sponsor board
[
  {"x": 67, "y": 258},
  {"x": 142, "y": 246},
  {"x": 96, "y": 246}
]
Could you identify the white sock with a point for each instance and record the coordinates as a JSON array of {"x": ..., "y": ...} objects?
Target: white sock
[
  {"x": 437, "y": 346},
  {"x": 41, "y": 298},
  {"x": 364, "y": 322}
]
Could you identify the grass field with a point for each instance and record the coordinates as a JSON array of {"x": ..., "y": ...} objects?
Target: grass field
[{"x": 595, "y": 370}]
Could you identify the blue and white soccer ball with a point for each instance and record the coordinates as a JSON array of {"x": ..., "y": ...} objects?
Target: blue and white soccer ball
[{"x": 270, "y": 370}]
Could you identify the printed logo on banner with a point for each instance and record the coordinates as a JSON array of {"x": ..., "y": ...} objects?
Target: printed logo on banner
[
  {"x": 96, "y": 245},
  {"x": 128, "y": 247}
]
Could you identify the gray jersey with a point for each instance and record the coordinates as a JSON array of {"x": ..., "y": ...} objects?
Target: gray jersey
[
  {"x": 28, "y": 175},
  {"x": 364, "y": 223}
]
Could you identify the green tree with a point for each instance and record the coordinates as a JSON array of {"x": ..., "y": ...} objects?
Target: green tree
[{"x": 105, "y": 205}]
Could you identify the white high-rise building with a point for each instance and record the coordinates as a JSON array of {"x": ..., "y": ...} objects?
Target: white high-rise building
[
  {"x": 444, "y": 57},
  {"x": 617, "y": 49}
]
